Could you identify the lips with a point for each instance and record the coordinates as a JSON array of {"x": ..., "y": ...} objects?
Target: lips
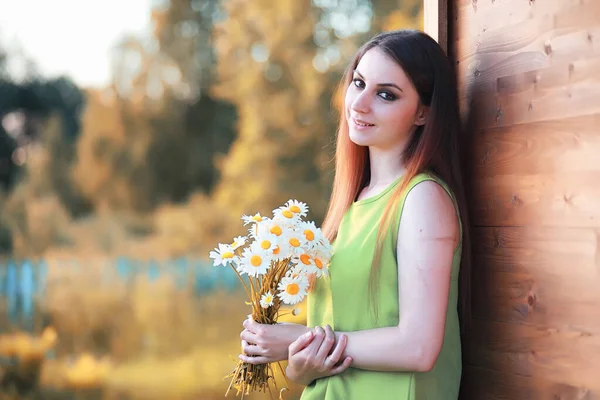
[{"x": 362, "y": 123}]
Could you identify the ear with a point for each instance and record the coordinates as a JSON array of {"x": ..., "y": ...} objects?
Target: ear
[{"x": 422, "y": 114}]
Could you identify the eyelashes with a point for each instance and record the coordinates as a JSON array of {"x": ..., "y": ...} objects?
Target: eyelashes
[{"x": 385, "y": 95}]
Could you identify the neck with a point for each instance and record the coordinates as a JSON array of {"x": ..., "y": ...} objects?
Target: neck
[{"x": 386, "y": 165}]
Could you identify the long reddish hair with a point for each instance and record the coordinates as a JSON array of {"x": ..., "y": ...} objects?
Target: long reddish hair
[{"x": 434, "y": 147}]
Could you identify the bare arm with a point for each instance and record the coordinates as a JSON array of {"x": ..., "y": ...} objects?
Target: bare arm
[
  {"x": 427, "y": 237},
  {"x": 268, "y": 343}
]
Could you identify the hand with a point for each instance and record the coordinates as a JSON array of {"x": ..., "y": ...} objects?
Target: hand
[
  {"x": 311, "y": 356},
  {"x": 268, "y": 343}
]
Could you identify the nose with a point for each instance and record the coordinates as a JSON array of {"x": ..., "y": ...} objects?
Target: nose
[{"x": 360, "y": 103}]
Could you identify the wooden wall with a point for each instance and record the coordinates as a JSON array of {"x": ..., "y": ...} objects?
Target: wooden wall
[{"x": 529, "y": 76}]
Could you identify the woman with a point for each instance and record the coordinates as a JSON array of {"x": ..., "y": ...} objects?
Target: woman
[{"x": 397, "y": 220}]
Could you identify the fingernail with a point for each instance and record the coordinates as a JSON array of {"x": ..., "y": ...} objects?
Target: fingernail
[{"x": 308, "y": 334}]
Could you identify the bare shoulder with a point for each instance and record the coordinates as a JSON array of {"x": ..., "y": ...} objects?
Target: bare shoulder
[{"x": 429, "y": 214}]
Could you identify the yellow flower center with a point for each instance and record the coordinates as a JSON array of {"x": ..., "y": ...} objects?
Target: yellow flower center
[
  {"x": 305, "y": 258},
  {"x": 268, "y": 299},
  {"x": 292, "y": 288},
  {"x": 319, "y": 263},
  {"x": 294, "y": 242},
  {"x": 310, "y": 235},
  {"x": 276, "y": 250},
  {"x": 276, "y": 230},
  {"x": 257, "y": 218},
  {"x": 287, "y": 214},
  {"x": 295, "y": 209},
  {"x": 265, "y": 244},
  {"x": 227, "y": 254},
  {"x": 256, "y": 260}
]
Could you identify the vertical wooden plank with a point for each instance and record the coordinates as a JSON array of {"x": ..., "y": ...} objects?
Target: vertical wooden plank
[
  {"x": 436, "y": 21},
  {"x": 529, "y": 93}
]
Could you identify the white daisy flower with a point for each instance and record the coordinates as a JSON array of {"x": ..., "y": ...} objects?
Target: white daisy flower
[
  {"x": 249, "y": 219},
  {"x": 311, "y": 263},
  {"x": 222, "y": 255},
  {"x": 278, "y": 254},
  {"x": 292, "y": 290},
  {"x": 285, "y": 214},
  {"x": 238, "y": 242},
  {"x": 297, "y": 271},
  {"x": 304, "y": 262},
  {"x": 324, "y": 248},
  {"x": 297, "y": 207},
  {"x": 273, "y": 227},
  {"x": 293, "y": 243},
  {"x": 266, "y": 300},
  {"x": 312, "y": 234},
  {"x": 254, "y": 261},
  {"x": 320, "y": 265},
  {"x": 267, "y": 242}
]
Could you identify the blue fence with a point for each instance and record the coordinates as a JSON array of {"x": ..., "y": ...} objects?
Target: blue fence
[{"x": 22, "y": 281}]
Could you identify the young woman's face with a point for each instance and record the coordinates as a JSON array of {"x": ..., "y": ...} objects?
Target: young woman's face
[{"x": 382, "y": 105}]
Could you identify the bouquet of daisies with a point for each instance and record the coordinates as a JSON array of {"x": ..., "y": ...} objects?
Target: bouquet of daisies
[{"x": 275, "y": 262}]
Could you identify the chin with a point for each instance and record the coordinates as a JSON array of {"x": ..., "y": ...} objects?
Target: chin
[{"x": 359, "y": 140}]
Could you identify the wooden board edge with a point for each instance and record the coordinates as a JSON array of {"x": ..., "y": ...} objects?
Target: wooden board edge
[{"x": 436, "y": 21}]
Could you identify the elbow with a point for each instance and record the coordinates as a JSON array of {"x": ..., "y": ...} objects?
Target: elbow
[
  {"x": 425, "y": 366},
  {"x": 422, "y": 352},
  {"x": 427, "y": 359}
]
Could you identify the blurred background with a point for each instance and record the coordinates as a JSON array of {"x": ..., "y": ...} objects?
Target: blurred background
[{"x": 133, "y": 136}]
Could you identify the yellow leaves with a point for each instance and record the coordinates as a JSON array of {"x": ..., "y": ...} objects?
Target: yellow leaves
[
  {"x": 171, "y": 378},
  {"x": 400, "y": 19},
  {"x": 25, "y": 347},
  {"x": 87, "y": 371}
]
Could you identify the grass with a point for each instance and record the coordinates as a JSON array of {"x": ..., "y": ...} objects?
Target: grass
[{"x": 141, "y": 340}]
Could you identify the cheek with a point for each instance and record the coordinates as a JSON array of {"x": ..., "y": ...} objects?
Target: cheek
[
  {"x": 404, "y": 114},
  {"x": 348, "y": 99}
]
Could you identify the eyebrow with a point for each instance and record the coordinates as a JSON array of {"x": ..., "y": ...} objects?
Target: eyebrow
[{"x": 381, "y": 84}]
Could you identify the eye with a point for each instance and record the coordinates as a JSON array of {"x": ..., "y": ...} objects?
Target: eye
[
  {"x": 387, "y": 96},
  {"x": 359, "y": 83}
]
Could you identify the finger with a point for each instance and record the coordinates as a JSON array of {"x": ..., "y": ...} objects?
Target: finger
[
  {"x": 319, "y": 335},
  {"x": 249, "y": 337},
  {"x": 248, "y": 322},
  {"x": 253, "y": 360},
  {"x": 300, "y": 343},
  {"x": 337, "y": 352},
  {"x": 326, "y": 345},
  {"x": 342, "y": 367},
  {"x": 252, "y": 350},
  {"x": 253, "y": 326}
]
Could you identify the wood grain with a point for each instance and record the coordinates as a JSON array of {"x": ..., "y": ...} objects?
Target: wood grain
[
  {"x": 556, "y": 252},
  {"x": 539, "y": 45},
  {"x": 529, "y": 89},
  {"x": 536, "y": 299},
  {"x": 568, "y": 199},
  {"x": 565, "y": 145},
  {"x": 487, "y": 384},
  {"x": 555, "y": 355}
]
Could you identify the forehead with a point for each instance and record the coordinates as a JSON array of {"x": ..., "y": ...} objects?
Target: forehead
[{"x": 378, "y": 67}]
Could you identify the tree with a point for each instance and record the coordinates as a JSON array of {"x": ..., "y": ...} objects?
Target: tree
[
  {"x": 170, "y": 129},
  {"x": 265, "y": 55}
]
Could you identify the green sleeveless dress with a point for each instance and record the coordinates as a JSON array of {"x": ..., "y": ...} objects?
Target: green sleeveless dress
[{"x": 341, "y": 300}]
